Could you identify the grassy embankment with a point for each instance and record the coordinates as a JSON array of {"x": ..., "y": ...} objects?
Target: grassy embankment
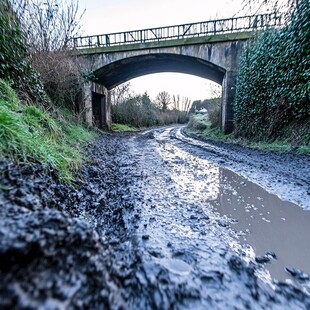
[
  {"x": 200, "y": 126},
  {"x": 29, "y": 133},
  {"x": 33, "y": 127}
]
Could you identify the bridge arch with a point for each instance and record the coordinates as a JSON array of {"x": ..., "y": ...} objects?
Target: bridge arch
[{"x": 125, "y": 69}]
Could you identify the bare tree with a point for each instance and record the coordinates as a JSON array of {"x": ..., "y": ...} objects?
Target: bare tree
[
  {"x": 120, "y": 93},
  {"x": 163, "y": 100},
  {"x": 181, "y": 105},
  {"x": 176, "y": 102},
  {"x": 252, "y": 7},
  {"x": 186, "y": 104},
  {"x": 48, "y": 24}
]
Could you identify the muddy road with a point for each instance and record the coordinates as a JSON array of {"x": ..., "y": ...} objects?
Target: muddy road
[{"x": 158, "y": 221}]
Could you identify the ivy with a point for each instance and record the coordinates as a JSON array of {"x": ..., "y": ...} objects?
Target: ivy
[
  {"x": 15, "y": 64},
  {"x": 273, "y": 84}
]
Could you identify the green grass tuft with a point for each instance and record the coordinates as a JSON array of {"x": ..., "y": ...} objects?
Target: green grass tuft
[
  {"x": 122, "y": 127},
  {"x": 29, "y": 133},
  {"x": 277, "y": 146}
]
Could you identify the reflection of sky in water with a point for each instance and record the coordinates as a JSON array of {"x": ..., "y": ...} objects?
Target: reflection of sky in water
[
  {"x": 268, "y": 223},
  {"x": 262, "y": 221},
  {"x": 203, "y": 184}
]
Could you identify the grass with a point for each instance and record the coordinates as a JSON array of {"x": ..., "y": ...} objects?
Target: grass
[
  {"x": 304, "y": 149},
  {"x": 123, "y": 127},
  {"x": 277, "y": 146},
  {"x": 200, "y": 126},
  {"x": 28, "y": 133}
]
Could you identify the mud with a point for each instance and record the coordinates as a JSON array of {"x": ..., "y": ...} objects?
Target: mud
[{"x": 139, "y": 231}]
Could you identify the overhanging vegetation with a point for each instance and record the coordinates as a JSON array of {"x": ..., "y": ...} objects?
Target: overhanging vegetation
[{"x": 272, "y": 99}]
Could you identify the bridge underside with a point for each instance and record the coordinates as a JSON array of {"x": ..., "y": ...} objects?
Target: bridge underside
[{"x": 126, "y": 69}]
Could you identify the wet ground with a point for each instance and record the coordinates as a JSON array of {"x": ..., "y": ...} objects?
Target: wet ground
[{"x": 158, "y": 221}]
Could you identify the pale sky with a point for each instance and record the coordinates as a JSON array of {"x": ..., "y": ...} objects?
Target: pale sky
[{"x": 106, "y": 16}]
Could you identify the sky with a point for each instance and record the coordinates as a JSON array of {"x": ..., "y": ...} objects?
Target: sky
[{"x": 106, "y": 16}]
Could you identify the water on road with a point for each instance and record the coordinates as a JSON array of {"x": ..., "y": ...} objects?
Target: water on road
[{"x": 262, "y": 221}]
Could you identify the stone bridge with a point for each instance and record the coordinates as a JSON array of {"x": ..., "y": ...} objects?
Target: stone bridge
[{"x": 210, "y": 50}]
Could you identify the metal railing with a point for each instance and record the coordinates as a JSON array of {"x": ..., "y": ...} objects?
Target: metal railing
[{"x": 200, "y": 29}]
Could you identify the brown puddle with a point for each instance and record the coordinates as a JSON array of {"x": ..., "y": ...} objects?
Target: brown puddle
[
  {"x": 263, "y": 222},
  {"x": 268, "y": 223}
]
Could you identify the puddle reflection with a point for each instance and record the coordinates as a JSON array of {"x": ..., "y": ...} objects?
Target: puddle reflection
[
  {"x": 269, "y": 223},
  {"x": 262, "y": 220}
]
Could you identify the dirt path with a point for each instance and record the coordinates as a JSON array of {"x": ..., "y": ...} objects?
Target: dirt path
[{"x": 140, "y": 232}]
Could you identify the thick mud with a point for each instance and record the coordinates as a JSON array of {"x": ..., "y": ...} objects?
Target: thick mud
[{"x": 149, "y": 226}]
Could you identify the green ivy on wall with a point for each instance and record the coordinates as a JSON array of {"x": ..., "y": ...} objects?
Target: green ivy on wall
[{"x": 273, "y": 84}]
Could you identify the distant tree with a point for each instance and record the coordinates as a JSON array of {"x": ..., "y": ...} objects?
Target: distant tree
[
  {"x": 186, "y": 104},
  {"x": 163, "y": 100},
  {"x": 176, "y": 102},
  {"x": 146, "y": 100}
]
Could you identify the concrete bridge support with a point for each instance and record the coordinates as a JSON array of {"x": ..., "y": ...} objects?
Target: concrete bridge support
[
  {"x": 97, "y": 104},
  {"x": 228, "y": 96}
]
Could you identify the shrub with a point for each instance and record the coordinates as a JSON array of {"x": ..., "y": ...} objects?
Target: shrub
[
  {"x": 212, "y": 107},
  {"x": 198, "y": 122},
  {"x": 15, "y": 59},
  {"x": 214, "y": 111},
  {"x": 139, "y": 111},
  {"x": 60, "y": 76},
  {"x": 48, "y": 74}
]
